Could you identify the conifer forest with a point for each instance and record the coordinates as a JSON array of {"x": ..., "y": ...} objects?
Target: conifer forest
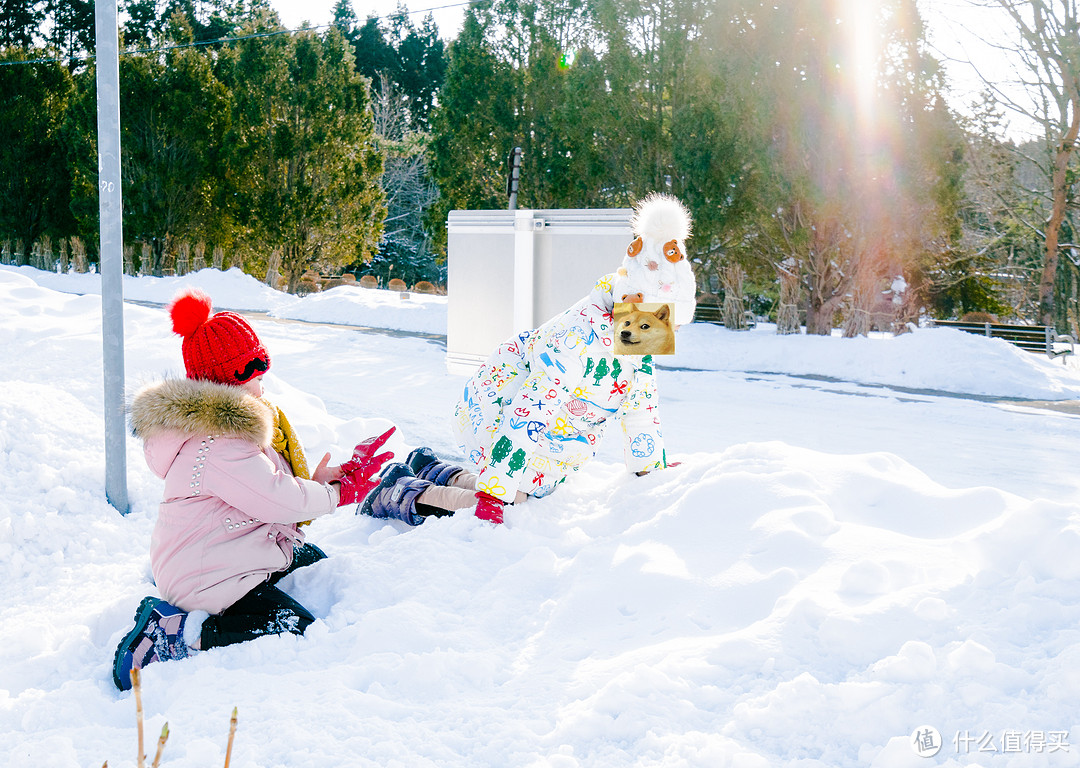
[{"x": 829, "y": 170}]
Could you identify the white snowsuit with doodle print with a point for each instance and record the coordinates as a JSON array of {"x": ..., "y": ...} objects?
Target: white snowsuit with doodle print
[{"x": 537, "y": 409}]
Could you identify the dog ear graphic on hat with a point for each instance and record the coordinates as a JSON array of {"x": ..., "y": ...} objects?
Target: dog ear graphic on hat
[
  {"x": 655, "y": 268},
  {"x": 221, "y": 348}
]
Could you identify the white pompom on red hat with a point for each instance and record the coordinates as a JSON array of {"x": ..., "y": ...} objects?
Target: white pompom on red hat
[{"x": 655, "y": 268}]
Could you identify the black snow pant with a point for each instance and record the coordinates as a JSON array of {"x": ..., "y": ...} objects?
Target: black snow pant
[{"x": 265, "y": 610}]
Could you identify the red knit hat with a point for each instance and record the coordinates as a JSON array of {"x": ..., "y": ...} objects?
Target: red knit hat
[{"x": 222, "y": 348}]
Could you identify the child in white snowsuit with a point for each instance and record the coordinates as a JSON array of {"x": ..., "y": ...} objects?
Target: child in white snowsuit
[
  {"x": 237, "y": 488},
  {"x": 538, "y": 408}
]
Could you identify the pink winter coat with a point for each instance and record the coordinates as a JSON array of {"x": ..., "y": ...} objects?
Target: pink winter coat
[{"x": 231, "y": 503}]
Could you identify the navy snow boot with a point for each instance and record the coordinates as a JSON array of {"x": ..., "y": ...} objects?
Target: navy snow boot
[
  {"x": 427, "y": 466},
  {"x": 395, "y": 495},
  {"x": 158, "y": 636}
]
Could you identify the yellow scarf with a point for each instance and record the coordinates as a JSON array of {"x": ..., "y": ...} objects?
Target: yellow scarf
[{"x": 287, "y": 443}]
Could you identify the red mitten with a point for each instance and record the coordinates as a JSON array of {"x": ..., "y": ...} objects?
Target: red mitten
[
  {"x": 363, "y": 459},
  {"x": 489, "y": 508},
  {"x": 353, "y": 488}
]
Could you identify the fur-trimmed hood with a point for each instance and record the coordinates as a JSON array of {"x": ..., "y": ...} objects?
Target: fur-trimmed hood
[{"x": 189, "y": 408}]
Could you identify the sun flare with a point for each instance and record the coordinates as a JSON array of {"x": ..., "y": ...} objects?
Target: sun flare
[{"x": 862, "y": 19}]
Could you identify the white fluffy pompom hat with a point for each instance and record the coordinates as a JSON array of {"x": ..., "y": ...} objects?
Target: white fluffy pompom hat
[{"x": 655, "y": 268}]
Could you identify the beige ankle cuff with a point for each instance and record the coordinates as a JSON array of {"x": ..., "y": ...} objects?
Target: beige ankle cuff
[{"x": 447, "y": 497}]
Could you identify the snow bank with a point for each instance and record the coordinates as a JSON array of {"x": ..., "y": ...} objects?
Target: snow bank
[
  {"x": 929, "y": 358},
  {"x": 240, "y": 292}
]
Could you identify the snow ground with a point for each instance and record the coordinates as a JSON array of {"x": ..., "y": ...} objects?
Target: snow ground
[{"x": 834, "y": 565}]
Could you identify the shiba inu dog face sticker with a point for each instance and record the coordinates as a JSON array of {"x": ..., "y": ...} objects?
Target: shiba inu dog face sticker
[{"x": 643, "y": 329}]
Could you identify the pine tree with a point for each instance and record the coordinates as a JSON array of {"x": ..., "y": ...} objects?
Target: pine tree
[
  {"x": 841, "y": 186},
  {"x": 175, "y": 115},
  {"x": 473, "y": 127},
  {"x": 71, "y": 26},
  {"x": 373, "y": 54},
  {"x": 302, "y": 149},
  {"x": 420, "y": 71},
  {"x": 35, "y": 182},
  {"x": 344, "y": 18},
  {"x": 142, "y": 22},
  {"x": 19, "y": 22}
]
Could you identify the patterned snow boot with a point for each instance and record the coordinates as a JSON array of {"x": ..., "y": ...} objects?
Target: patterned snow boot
[
  {"x": 158, "y": 636},
  {"x": 395, "y": 495},
  {"x": 427, "y": 466}
]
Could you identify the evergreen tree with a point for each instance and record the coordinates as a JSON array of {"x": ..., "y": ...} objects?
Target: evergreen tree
[
  {"x": 207, "y": 19},
  {"x": 720, "y": 154},
  {"x": 957, "y": 273},
  {"x": 35, "y": 186},
  {"x": 217, "y": 19},
  {"x": 406, "y": 66},
  {"x": 79, "y": 139},
  {"x": 373, "y": 54},
  {"x": 474, "y": 127},
  {"x": 345, "y": 19},
  {"x": 420, "y": 71},
  {"x": 537, "y": 44},
  {"x": 587, "y": 90},
  {"x": 141, "y": 26},
  {"x": 71, "y": 26},
  {"x": 19, "y": 22},
  {"x": 175, "y": 113},
  {"x": 148, "y": 21},
  {"x": 413, "y": 60},
  {"x": 302, "y": 149},
  {"x": 649, "y": 43}
]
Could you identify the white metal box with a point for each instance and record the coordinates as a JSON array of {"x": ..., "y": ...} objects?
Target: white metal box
[{"x": 511, "y": 271}]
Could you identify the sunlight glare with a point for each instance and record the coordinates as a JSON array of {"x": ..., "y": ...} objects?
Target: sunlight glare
[{"x": 864, "y": 38}]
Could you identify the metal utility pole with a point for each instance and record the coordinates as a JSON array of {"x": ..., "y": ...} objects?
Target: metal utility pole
[
  {"x": 111, "y": 250},
  {"x": 515, "y": 174}
]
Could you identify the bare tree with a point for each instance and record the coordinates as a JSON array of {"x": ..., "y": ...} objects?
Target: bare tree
[
  {"x": 1048, "y": 73},
  {"x": 734, "y": 311},
  {"x": 406, "y": 184},
  {"x": 787, "y": 316},
  {"x": 858, "y": 320},
  {"x": 823, "y": 248}
]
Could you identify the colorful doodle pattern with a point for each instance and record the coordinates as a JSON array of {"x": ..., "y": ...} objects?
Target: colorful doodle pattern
[{"x": 538, "y": 408}]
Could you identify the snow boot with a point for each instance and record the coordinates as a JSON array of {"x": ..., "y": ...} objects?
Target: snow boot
[
  {"x": 158, "y": 636},
  {"x": 427, "y": 466},
  {"x": 395, "y": 495}
]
